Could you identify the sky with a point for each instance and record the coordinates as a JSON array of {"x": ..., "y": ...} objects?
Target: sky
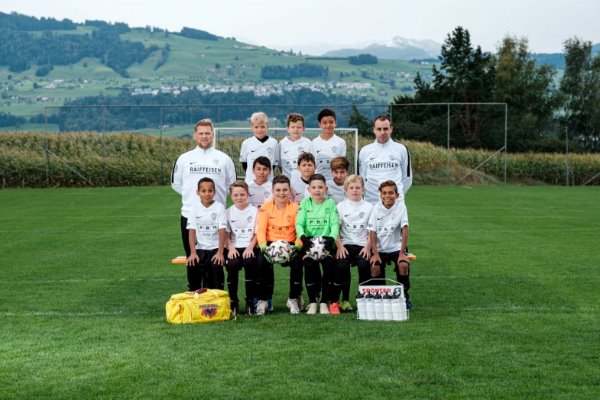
[{"x": 315, "y": 26}]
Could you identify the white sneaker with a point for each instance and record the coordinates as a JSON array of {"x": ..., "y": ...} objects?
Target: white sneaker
[
  {"x": 261, "y": 307},
  {"x": 293, "y": 306},
  {"x": 324, "y": 308},
  {"x": 312, "y": 308}
]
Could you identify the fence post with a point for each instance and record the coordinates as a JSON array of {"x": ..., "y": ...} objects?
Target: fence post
[
  {"x": 160, "y": 149},
  {"x": 47, "y": 159},
  {"x": 567, "y": 154},
  {"x": 448, "y": 142}
]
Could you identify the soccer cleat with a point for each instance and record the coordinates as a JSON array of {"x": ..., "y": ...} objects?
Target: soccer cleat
[
  {"x": 261, "y": 307},
  {"x": 293, "y": 306},
  {"x": 409, "y": 305},
  {"x": 235, "y": 309},
  {"x": 334, "y": 308},
  {"x": 270, "y": 305},
  {"x": 250, "y": 309},
  {"x": 346, "y": 306},
  {"x": 312, "y": 308},
  {"x": 324, "y": 309}
]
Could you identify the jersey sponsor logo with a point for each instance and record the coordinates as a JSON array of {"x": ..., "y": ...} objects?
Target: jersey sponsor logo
[
  {"x": 205, "y": 170},
  {"x": 384, "y": 165}
]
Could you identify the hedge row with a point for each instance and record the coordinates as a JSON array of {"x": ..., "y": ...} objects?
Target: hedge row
[{"x": 78, "y": 159}]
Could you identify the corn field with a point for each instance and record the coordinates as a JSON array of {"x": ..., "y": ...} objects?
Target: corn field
[{"x": 127, "y": 159}]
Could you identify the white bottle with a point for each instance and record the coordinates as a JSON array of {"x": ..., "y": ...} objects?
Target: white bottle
[
  {"x": 370, "y": 307},
  {"x": 361, "y": 305},
  {"x": 378, "y": 301},
  {"x": 397, "y": 303},
  {"x": 387, "y": 307}
]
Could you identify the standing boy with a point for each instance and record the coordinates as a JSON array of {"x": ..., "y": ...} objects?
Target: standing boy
[
  {"x": 293, "y": 145},
  {"x": 353, "y": 245},
  {"x": 203, "y": 161},
  {"x": 384, "y": 159},
  {"x": 277, "y": 221},
  {"x": 317, "y": 216},
  {"x": 339, "y": 172},
  {"x": 260, "y": 187},
  {"x": 241, "y": 245},
  {"x": 207, "y": 226},
  {"x": 299, "y": 182},
  {"x": 258, "y": 145},
  {"x": 388, "y": 231},
  {"x": 327, "y": 145}
]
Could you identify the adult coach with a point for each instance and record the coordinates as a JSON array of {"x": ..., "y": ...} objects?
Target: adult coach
[
  {"x": 190, "y": 167},
  {"x": 383, "y": 160}
]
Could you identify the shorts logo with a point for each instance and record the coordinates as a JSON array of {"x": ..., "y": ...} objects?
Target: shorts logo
[{"x": 208, "y": 310}]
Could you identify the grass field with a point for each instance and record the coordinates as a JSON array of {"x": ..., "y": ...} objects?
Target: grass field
[{"x": 505, "y": 291}]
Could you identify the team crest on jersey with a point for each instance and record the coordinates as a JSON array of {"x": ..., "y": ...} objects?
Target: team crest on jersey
[
  {"x": 216, "y": 162},
  {"x": 213, "y": 215},
  {"x": 334, "y": 148},
  {"x": 208, "y": 310},
  {"x": 394, "y": 158},
  {"x": 300, "y": 149},
  {"x": 269, "y": 150},
  {"x": 249, "y": 219},
  {"x": 361, "y": 215}
]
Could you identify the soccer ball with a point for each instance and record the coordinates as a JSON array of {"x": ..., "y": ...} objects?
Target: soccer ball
[
  {"x": 279, "y": 252},
  {"x": 317, "y": 250}
]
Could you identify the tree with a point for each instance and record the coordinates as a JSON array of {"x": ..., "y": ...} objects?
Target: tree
[
  {"x": 360, "y": 122},
  {"x": 580, "y": 88},
  {"x": 466, "y": 75},
  {"x": 526, "y": 88}
]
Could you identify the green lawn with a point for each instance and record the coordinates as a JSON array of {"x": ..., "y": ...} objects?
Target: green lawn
[{"x": 505, "y": 290}]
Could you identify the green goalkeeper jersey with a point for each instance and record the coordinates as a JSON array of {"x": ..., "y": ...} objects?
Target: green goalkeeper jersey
[{"x": 317, "y": 219}]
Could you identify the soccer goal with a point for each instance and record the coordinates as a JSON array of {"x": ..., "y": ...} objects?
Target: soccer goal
[{"x": 229, "y": 141}]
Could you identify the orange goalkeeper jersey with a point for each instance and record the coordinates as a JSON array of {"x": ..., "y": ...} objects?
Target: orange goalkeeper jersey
[{"x": 274, "y": 224}]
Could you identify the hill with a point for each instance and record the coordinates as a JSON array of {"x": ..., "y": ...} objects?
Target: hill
[{"x": 63, "y": 61}]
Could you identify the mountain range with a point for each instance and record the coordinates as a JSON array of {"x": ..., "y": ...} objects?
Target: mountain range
[{"x": 397, "y": 48}]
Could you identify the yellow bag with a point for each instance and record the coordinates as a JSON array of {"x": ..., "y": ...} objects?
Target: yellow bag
[{"x": 193, "y": 307}]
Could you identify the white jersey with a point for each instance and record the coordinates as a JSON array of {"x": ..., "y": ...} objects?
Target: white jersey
[
  {"x": 190, "y": 167},
  {"x": 242, "y": 225},
  {"x": 252, "y": 148},
  {"x": 381, "y": 162},
  {"x": 325, "y": 150},
  {"x": 289, "y": 152},
  {"x": 258, "y": 194},
  {"x": 335, "y": 192},
  {"x": 388, "y": 223},
  {"x": 299, "y": 188},
  {"x": 354, "y": 220},
  {"x": 207, "y": 221}
]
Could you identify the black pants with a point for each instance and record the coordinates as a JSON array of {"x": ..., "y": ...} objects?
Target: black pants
[
  {"x": 185, "y": 235},
  {"x": 265, "y": 277},
  {"x": 205, "y": 273},
  {"x": 234, "y": 266},
  {"x": 317, "y": 284},
  {"x": 388, "y": 258},
  {"x": 342, "y": 269}
]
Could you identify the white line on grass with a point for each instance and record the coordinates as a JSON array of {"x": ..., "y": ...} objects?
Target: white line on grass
[{"x": 71, "y": 314}]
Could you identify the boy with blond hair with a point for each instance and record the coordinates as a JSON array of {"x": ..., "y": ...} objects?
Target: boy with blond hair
[
  {"x": 241, "y": 245},
  {"x": 353, "y": 245},
  {"x": 293, "y": 145},
  {"x": 260, "y": 144}
]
